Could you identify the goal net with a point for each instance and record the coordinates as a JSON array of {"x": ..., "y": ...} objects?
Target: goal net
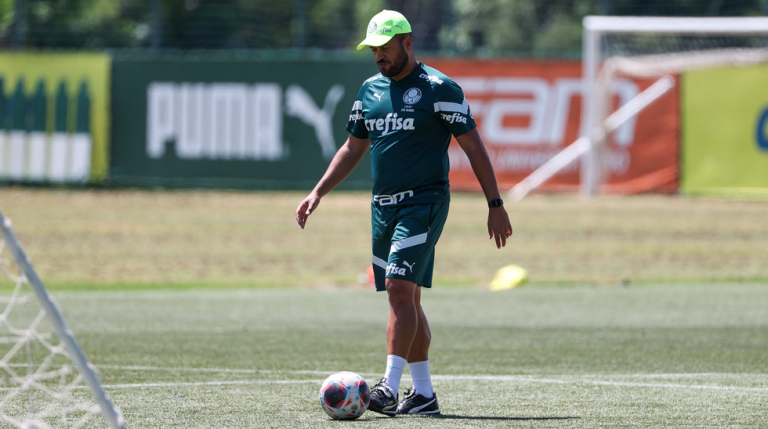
[
  {"x": 45, "y": 379},
  {"x": 658, "y": 48}
]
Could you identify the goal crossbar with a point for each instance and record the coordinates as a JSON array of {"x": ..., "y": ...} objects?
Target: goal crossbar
[
  {"x": 596, "y": 26},
  {"x": 596, "y": 71},
  {"x": 676, "y": 25},
  {"x": 655, "y": 65}
]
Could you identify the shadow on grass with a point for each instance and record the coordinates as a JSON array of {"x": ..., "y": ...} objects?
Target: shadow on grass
[
  {"x": 489, "y": 418},
  {"x": 456, "y": 417}
]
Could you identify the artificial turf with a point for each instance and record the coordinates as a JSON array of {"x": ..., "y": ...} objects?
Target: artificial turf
[{"x": 540, "y": 357}]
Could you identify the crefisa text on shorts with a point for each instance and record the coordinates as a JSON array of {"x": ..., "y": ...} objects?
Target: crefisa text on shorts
[{"x": 394, "y": 269}]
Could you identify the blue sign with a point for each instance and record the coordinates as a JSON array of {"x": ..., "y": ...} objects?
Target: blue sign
[{"x": 762, "y": 137}]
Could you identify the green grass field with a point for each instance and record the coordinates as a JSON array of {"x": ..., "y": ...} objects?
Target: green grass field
[
  {"x": 541, "y": 357},
  {"x": 214, "y": 310},
  {"x": 144, "y": 239}
]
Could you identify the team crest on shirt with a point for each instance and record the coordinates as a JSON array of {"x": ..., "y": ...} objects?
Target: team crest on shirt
[{"x": 412, "y": 96}]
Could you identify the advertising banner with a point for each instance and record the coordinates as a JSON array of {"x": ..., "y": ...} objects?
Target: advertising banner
[
  {"x": 527, "y": 112},
  {"x": 725, "y": 130},
  {"x": 232, "y": 123},
  {"x": 55, "y": 117},
  {"x": 277, "y": 124}
]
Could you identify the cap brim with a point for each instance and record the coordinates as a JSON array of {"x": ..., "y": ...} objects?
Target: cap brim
[{"x": 374, "y": 40}]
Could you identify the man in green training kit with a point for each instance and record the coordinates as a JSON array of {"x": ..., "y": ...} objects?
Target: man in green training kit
[{"x": 406, "y": 115}]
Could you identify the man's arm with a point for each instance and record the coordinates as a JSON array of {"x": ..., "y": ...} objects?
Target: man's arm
[
  {"x": 498, "y": 220},
  {"x": 345, "y": 160}
]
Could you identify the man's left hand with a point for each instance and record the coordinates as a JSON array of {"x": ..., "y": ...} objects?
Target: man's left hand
[{"x": 499, "y": 226}]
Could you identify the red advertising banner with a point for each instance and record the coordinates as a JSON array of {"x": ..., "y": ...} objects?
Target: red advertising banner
[{"x": 527, "y": 112}]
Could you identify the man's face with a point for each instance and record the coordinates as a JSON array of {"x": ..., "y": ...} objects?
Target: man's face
[{"x": 391, "y": 57}]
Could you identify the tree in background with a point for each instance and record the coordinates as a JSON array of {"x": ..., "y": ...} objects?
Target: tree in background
[
  {"x": 427, "y": 19},
  {"x": 458, "y": 27},
  {"x": 70, "y": 24},
  {"x": 517, "y": 27}
]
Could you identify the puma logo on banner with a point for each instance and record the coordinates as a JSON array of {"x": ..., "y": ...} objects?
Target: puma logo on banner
[
  {"x": 300, "y": 104},
  {"x": 234, "y": 121}
]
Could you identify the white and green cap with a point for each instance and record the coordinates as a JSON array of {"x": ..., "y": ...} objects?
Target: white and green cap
[{"x": 383, "y": 27}]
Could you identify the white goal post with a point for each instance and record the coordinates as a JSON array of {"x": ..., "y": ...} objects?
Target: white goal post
[
  {"x": 39, "y": 384},
  {"x": 598, "y": 71}
]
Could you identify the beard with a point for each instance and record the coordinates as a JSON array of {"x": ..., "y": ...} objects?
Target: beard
[{"x": 397, "y": 66}]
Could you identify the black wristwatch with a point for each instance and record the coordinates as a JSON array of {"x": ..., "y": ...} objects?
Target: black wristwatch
[{"x": 495, "y": 203}]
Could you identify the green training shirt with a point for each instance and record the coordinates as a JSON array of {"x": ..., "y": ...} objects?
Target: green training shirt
[{"x": 410, "y": 123}]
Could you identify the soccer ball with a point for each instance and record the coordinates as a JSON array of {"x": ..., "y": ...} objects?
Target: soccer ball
[{"x": 345, "y": 395}]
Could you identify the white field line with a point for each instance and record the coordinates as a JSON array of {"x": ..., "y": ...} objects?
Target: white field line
[
  {"x": 241, "y": 371},
  {"x": 682, "y": 375},
  {"x": 194, "y": 383},
  {"x": 268, "y": 371},
  {"x": 580, "y": 380},
  {"x": 557, "y": 379},
  {"x": 682, "y": 386},
  {"x": 208, "y": 383}
]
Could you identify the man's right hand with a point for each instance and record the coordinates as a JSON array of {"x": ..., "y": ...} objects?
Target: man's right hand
[
  {"x": 306, "y": 208},
  {"x": 345, "y": 160}
]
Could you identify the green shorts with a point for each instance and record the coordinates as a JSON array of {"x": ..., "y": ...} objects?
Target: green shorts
[{"x": 404, "y": 239}]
